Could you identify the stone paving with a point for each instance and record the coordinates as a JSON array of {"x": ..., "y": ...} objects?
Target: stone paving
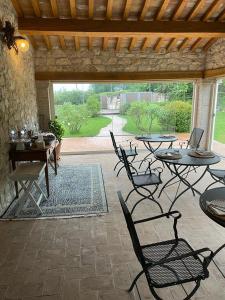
[{"x": 92, "y": 258}]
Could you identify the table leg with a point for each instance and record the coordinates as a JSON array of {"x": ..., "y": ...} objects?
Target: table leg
[
  {"x": 55, "y": 161},
  {"x": 16, "y": 183},
  {"x": 47, "y": 178}
]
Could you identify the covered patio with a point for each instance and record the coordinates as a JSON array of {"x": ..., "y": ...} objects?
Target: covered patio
[{"x": 103, "y": 41}]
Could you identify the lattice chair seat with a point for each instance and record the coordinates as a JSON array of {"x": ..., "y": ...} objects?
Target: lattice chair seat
[
  {"x": 129, "y": 152},
  {"x": 217, "y": 173},
  {"x": 146, "y": 179}
]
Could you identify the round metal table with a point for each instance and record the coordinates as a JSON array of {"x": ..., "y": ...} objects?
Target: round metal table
[
  {"x": 181, "y": 167},
  {"x": 149, "y": 140}
]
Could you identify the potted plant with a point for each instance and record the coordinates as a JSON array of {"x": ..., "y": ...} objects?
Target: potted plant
[{"x": 57, "y": 129}]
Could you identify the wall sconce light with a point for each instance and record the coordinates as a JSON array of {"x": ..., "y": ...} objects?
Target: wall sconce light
[{"x": 15, "y": 42}]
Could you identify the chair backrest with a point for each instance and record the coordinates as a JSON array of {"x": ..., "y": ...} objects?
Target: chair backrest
[
  {"x": 126, "y": 164},
  {"x": 195, "y": 138},
  {"x": 132, "y": 230},
  {"x": 113, "y": 142}
]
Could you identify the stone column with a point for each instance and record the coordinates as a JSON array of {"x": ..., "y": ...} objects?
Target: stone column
[
  {"x": 205, "y": 96},
  {"x": 44, "y": 103}
]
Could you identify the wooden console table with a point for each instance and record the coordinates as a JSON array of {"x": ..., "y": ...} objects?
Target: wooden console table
[{"x": 35, "y": 155}]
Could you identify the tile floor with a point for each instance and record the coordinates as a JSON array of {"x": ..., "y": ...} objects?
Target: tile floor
[{"x": 92, "y": 258}]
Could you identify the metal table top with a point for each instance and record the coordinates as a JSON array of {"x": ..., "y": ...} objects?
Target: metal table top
[
  {"x": 187, "y": 160},
  {"x": 156, "y": 138}
]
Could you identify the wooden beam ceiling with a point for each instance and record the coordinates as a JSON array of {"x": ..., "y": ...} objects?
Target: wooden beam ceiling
[
  {"x": 36, "y": 8},
  {"x": 90, "y": 9},
  {"x": 73, "y": 8},
  {"x": 162, "y": 9},
  {"x": 94, "y": 28},
  {"x": 178, "y": 10},
  {"x": 144, "y": 9},
  {"x": 109, "y": 9},
  {"x": 211, "y": 10},
  {"x": 54, "y": 7},
  {"x": 62, "y": 42},
  {"x": 195, "y": 10},
  {"x": 127, "y": 9},
  {"x": 146, "y": 43}
]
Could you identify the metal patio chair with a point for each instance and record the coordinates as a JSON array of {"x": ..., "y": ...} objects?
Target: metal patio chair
[
  {"x": 218, "y": 175},
  {"x": 167, "y": 263},
  {"x": 141, "y": 180},
  {"x": 130, "y": 153},
  {"x": 194, "y": 140}
]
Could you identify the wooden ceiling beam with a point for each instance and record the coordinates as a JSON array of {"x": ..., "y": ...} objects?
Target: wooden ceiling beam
[
  {"x": 132, "y": 44},
  {"x": 62, "y": 42},
  {"x": 127, "y": 9},
  {"x": 195, "y": 9},
  {"x": 221, "y": 16},
  {"x": 162, "y": 10},
  {"x": 77, "y": 42},
  {"x": 196, "y": 44},
  {"x": 109, "y": 9},
  {"x": 36, "y": 8},
  {"x": 90, "y": 9},
  {"x": 102, "y": 28},
  {"x": 105, "y": 43},
  {"x": 146, "y": 44},
  {"x": 54, "y": 7},
  {"x": 89, "y": 42},
  {"x": 210, "y": 11},
  {"x": 47, "y": 42},
  {"x": 73, "y": 8},
  {"x": 178, "y": 10},
  {"x": 144, "y": 10},
  {"x": 209, "y": 44},
  {"x": 158, "y": 44},
  {"x": 183, "y": 44},
  {"x": 18, "y": 8},
  {"x": 172, "y": 44},
  {"x": 118, "y": 44},
  {"x": 117, "y": 76}
]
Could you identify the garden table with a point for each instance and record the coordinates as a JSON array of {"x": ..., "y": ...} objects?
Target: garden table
[
  {"x": 153, "y": 139},
  {"x": 179, "y": 162}
]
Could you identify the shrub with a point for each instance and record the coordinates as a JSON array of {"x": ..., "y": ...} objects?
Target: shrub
[
  {"x": 175, "y": 114},
  {"x": 93, "y": 105},
  {"x": 73, "y": 116},
  {"x": 56, "y": 128},
  {"x": 124, "y": 108}
]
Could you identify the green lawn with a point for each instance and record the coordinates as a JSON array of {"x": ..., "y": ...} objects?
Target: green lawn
[
  {"x": 131, "y": 127},
  {"x": 219, "y": 132},
  {"x": 91, "y": 128}
]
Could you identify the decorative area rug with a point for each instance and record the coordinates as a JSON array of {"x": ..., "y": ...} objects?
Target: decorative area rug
[{"x": 76, "y": 191}]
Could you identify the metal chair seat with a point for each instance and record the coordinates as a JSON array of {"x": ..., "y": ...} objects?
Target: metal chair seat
[
  {"x": 217, "y": 173},
  {"x": 174, "y": 272},
  {"x": 146, "y": 179},
  {"x": 129, "y": 152}
]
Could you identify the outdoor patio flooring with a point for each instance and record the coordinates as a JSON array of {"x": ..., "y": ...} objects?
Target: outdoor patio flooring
[{"x": 92, "y": 258}]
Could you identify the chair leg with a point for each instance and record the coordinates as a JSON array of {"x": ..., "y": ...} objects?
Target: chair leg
[
  {"x": 129, "y": 195},
  {"x": 135, "y": 280}
]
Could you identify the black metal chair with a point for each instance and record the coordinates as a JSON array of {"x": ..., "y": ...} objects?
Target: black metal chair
[
  {"x": 167, "y": 263},
  {"x": 194, "y": 140},
  {"x": 141, "y": 180},
  {"x": 217, "y": 175},
  {"x": 131, "y": 153}
]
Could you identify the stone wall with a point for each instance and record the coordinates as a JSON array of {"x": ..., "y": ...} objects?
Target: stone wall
[
  {"x": 111, "y": 61},
  {"x": 215, "y": 57},
  {"x": 17, "y": 100}
]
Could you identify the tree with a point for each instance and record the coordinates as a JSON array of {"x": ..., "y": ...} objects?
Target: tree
[
  {"x": 93, "y": 105},
  {"x": 75, "y": 96}
]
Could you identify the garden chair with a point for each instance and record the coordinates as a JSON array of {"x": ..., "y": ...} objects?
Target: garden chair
[
  {"x": 194, "y": 140},
  {"x": 167, "y": 263},
  {"x": 141, "y": 180},
  {"x": 218, "y": 175},
  {"x": 130, "y": 153}
]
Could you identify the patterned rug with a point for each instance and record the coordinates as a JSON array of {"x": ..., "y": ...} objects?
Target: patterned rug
[{"x": 76, "y": 191}]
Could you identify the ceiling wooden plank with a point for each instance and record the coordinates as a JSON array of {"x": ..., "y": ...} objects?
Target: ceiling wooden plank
[
  {"x": 132, "y": 44},
  {"x": 105, "y": 43},
  {"x": 144, "y": 10},
  {"x": 73, "y": 8},
  {"x": 196, "y": 44},
  {"x": 162, "y": 10},
  {"x": 183, "y": 44},
  {"x": 158, "y": 44},
  {"x": 146, "y": 44},
  {"x": 102, "y": 28},
  {"x": 18, "y": 8},
  {"x": 219, "y": 72},
  {"x": 195, "y": 9},
  {"x": 221, "y": 16},
  {"x": 62, "y": 42},
  {"x": 90, "y": 9},
  {"x": 178, "y": 10},
  {"x": 47, "y": 42},
  {"x": 210, "y": 11},
  {"x": 89, "y": 42},
  {"x": 109, "y": 9},
  {"x": 54, "y": 7},
  {"x": 209, "y": 44},
  {"x": 36, "y": 8},
  {"x": 118, "y": 44},
  {"x": 127, "y": 9},
  {"x": 172, "y": 44},
  {"x": 32, "y": 41},
  {"x": 117, "y": 76},
  {"x": 77, "y": 43}
]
